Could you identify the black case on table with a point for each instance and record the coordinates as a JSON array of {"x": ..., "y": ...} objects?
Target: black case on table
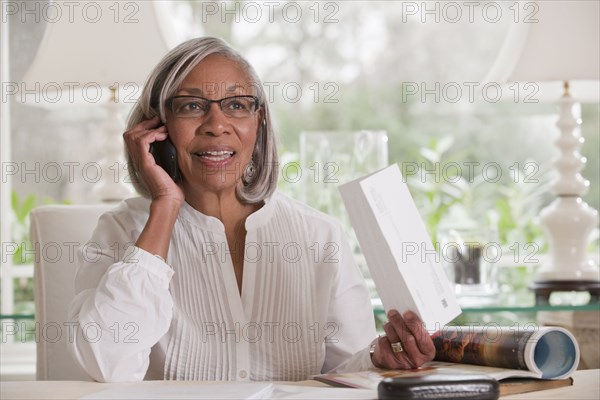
[{"x": 436, "y": 387}]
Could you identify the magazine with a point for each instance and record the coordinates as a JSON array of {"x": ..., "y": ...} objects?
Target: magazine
[
  {"x": 393, "y": 238},
  {"x": 542, "y": 352},
  {"x": 511, "y": 381},
  {"x": 539, "y": 358}
]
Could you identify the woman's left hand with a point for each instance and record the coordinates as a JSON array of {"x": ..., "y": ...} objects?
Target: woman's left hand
[{"x": 406, "y": 343}]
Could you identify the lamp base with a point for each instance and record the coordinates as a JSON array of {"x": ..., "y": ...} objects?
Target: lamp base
[
  {"x": 568, "y": 221},
  {"x": 543, "y": 290}
]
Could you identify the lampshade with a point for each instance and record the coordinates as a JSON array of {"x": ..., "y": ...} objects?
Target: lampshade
[
  {"x": 91, "y": 45},
  {"x": 560, "y": 43}
]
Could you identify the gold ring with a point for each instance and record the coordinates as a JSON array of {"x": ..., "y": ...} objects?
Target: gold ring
[{"x": 397, "y": 347}]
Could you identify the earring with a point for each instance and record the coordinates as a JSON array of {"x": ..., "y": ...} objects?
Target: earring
[{"x": 249, "y": 173}]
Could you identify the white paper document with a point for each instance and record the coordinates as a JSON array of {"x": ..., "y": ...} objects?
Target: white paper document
[
  {"x": 189, "y": 390},
  {"x": 401, "y": 258}
]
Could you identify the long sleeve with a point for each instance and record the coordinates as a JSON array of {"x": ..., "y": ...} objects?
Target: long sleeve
[
  {"x": 122, "y": 305},
  {"x": 352, "y": 314}
]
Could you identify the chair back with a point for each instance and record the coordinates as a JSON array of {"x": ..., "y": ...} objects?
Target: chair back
[{"x": 57, "y": 232}]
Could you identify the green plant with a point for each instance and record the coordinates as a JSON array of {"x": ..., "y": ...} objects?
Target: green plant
[
  {"x": 468, "y": 198},
  {"x": 436, "y": 196},
  {"x": 20, "y": 227},
  {"x": 517, "y": 208},
  {"x": 23, "y": 254}
]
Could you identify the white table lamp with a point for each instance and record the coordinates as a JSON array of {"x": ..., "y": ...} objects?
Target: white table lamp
[
  {"x": 561, "y": 49},
  {"x": 99, "y": 53}
]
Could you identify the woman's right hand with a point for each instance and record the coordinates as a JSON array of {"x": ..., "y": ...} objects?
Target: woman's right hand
[{"x": 138, "y": 139}]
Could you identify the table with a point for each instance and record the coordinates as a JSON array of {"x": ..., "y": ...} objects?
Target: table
[{"x": 586, "y": 386}]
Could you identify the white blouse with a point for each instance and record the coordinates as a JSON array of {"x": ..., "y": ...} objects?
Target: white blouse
[{"x": 304, "y": 308}]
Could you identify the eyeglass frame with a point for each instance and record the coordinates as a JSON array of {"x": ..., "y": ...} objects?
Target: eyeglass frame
[{"x": 257, "y": 104}]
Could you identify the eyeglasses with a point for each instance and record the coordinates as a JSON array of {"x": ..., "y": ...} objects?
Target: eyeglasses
[{"x": 197, "y": 107}]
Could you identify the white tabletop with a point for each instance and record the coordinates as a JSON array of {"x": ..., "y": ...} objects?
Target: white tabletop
[{"x": 586, "y": 386}]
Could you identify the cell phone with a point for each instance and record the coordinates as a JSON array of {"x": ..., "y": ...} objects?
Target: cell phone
[{"x": 165, "y": 155}]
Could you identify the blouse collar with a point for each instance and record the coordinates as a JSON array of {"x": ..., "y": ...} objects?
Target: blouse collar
[{"x": 254, "y": 220}]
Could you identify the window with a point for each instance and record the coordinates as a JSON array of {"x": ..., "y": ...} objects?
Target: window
[{"x": 411, "y": 69}]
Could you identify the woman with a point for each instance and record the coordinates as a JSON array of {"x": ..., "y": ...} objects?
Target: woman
[{"x": 223, "y": 277}]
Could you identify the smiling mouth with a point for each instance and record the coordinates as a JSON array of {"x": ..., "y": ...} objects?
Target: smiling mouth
[{"x": 215, "y": 156}]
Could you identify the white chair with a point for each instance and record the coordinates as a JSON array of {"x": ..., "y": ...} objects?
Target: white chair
[{"x": 57, "y": 231}]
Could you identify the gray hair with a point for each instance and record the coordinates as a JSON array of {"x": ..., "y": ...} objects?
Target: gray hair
[{"x": 165, "y": 80}]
